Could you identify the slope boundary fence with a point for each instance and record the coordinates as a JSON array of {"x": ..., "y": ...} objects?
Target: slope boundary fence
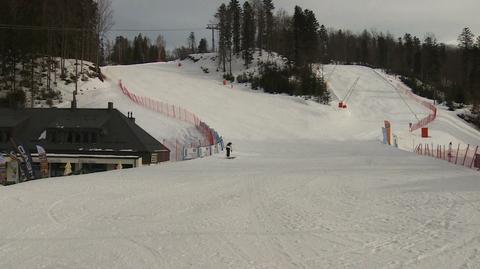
[
  {"x": 211, "y": 143},
  {"x": 401, "y": 88},
  {"x": 433, "y": 110},
  {"x": 467, "y": 156}
]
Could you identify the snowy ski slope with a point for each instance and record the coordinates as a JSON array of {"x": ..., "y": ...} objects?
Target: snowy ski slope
[{"x": 311, "y": 187}]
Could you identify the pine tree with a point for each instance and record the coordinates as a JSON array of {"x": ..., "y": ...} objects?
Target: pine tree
[
  {"x": 431, "y": 70},
  {"x": 409, "y": 53},
  {"x": 161, "y": 44},
  {"x": 222, "y": 18},
  {"x": 365, "y": 40},
  {"x": 260, "y": 20},
  {"x": 248, "y": 33},
  {"x": 192, "y": 43},
  {"x": 305, "y": 26},
  {"x": 228, "y": 39},
  {"x": 235, "y": 10},
  {"x": 203, "y": 46},
  {"x": 466, "y": 39},
  {"x": 310, "y": 36},
  {"x": 417, "y": 57},
  {"x": 382, "y": 51},
  {"x": 323, "y": 44},
  {"x": 298, "y": 29},
  {"x": 466, "y": 44},
  {"x": 268, "y": 8}
]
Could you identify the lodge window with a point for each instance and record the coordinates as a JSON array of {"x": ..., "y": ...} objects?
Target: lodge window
[
  {"x": 78, "y": 138},
  {"x": 53, "y": 137},
  {"x": 70, "y": 137}
]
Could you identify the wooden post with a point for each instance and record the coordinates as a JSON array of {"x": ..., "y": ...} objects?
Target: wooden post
[
  {"x": 456, "y": 157},
  {"x": 466, "y": 153},
  {"x": 474, "y": 155}
]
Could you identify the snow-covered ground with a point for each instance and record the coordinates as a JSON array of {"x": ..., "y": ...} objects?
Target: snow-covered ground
[
  {"x": 375, "y": 98},
  {"x": 311, "y": 187}
]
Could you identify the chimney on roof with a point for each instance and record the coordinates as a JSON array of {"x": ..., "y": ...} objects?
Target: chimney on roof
[
  {"x": 110, "y": 105},
  {"x": 130, "y": 116},
  {"x": 73, "y": 104}
]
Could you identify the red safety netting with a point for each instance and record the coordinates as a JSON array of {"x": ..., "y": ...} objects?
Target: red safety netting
[
  {"x": 468, "y": 156},
  {"x": 176, "y": 112},
  {"x": 425, "y": 121}
]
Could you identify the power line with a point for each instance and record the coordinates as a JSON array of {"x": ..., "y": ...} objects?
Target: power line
[
  {"x": 398, "y": 92},
  {"x": 158, "y": 30},
  {"x": 77, "y": 29},
  {"x": 350, "y": 91},
  {"x": 41, "y": 28}
]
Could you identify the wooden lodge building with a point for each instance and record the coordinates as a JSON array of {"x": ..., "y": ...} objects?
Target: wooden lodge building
[{"x": 88, "y": 140}]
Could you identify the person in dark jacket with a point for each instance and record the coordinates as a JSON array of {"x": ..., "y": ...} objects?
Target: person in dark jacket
[{"x": 229, "y": 149}]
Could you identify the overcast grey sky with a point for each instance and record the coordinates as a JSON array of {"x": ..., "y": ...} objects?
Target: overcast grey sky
[{"x": 444, "y": 18}]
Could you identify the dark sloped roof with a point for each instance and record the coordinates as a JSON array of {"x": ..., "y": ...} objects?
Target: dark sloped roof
[
  {"x": 118, "y": 134},
  {"x": 11, "y": 121},
  {"x": 79, "y": 120}
]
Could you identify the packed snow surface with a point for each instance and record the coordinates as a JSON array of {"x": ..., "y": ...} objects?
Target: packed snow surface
[{"x": 311, "y": 187}]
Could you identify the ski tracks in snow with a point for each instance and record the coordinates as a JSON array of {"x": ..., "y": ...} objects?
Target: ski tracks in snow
[{"x": 264, "y": 224}]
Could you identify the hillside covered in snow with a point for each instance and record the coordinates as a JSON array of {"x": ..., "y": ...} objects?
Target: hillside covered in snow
[{"x": 311, "y": 186}]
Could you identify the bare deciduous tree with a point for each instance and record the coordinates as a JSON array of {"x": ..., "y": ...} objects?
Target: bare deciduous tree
[
  {"x": 104, "y": 25},
  {"x": 104, "y": 17}
]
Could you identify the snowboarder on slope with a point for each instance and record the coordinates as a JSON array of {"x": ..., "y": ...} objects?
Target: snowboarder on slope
[{"x": 229, "y": 149}]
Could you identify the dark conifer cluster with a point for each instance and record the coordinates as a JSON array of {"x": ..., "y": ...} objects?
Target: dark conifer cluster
[
  {"x": 36, "y": 38},
  {"x": 255, "y": 28},
  {"x": 141, "y": 50}
]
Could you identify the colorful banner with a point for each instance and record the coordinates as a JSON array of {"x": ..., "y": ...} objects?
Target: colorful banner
[
  {"x": 190, "y": 153},
  {"x": 17, "y": 164},
  {"x": 27, "y": 160},
  {"x": 3, "y": 170},
  {"x": 42, "y": 156},
  {"x": 384, "y": 132},
  {"x": 12, "y": 171}
]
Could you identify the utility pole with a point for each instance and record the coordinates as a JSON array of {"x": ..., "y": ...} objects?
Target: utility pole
[{"x": 213, "y": 27}]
